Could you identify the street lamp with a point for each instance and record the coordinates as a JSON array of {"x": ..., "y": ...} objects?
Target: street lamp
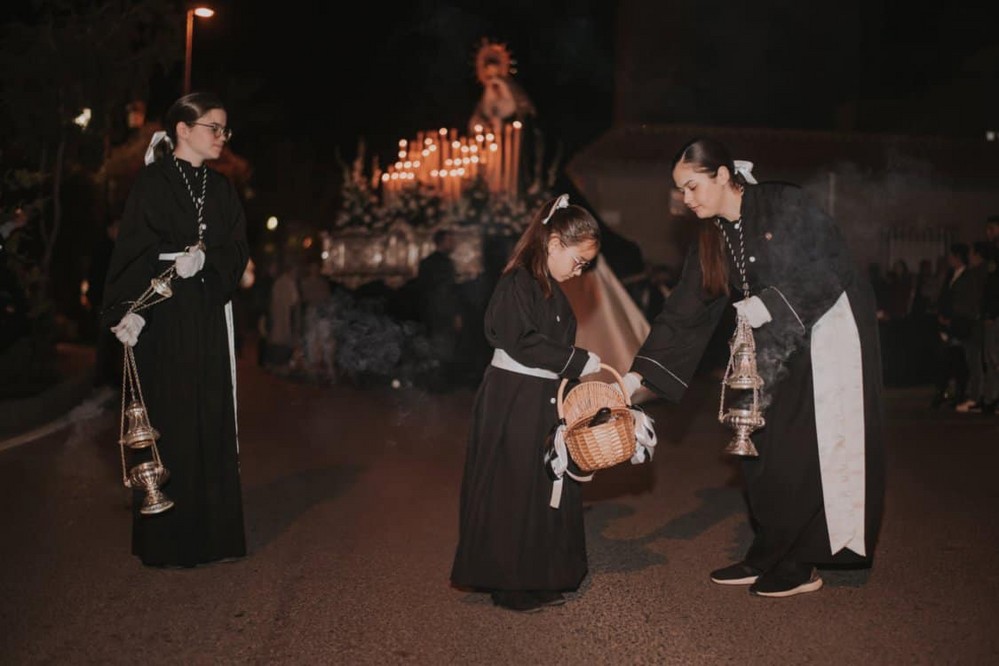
[{"x": 203, "y": 12}]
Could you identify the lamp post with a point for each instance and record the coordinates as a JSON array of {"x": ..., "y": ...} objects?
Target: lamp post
[{"x": 203, "y": 12}]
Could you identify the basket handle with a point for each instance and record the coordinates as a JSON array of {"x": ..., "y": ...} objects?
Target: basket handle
[{"x": 603, "y": 366}]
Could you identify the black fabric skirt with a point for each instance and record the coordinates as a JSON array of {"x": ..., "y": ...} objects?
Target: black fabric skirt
[
  {"x": 509, "y": 536},
  {"x": 184, "y": 366},
  {"x": 784, "y": 484}
]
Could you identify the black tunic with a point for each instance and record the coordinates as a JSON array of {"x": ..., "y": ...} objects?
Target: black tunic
[
  {"x": 509, "y": 537},
  {"x": 185, "y": 361},
  {"x": 800, "y": 267}
]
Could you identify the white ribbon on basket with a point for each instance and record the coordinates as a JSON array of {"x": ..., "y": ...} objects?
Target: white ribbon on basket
[
  {"x": 645, "y": 436},
  {"x": 559, "y": 466},
  {"x": 645, "y": 446}
]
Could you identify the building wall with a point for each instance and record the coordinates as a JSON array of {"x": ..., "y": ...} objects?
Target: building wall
[{"x": 635, "y": 197}]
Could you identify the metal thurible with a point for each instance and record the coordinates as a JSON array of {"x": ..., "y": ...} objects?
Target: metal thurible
[{"x": 741, "y": 374}]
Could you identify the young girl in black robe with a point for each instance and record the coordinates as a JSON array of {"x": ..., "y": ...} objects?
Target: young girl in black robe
[
  {"x": 511, "y": 542},
  {"x": 816, "y": 490},
  {"x": 181, "y": 213}
]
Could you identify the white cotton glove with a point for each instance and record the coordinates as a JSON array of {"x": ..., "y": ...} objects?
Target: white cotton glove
[
  {"x": 127, "y": 330},
  {"x": 753, "y": 310},
  {"x": 592, "y": 364},
  {"x": 632, "y": 382},
  {"x": 190, "y": 262}
]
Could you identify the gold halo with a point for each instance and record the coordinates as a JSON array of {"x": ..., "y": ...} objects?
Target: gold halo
[{"x": 492, "y": 54}]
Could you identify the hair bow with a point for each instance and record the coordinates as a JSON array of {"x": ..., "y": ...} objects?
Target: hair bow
[
  {"x": 158, "y": 136},
  {"x": 561, "y": 202},
  {"x": 744, "y": 169}
]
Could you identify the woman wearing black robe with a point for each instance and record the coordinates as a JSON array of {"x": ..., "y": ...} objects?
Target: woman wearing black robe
[
  {"x": 815, "y": 492},
  {"x": 185, "y": 355},
  {"x": 512, "y": 543}
]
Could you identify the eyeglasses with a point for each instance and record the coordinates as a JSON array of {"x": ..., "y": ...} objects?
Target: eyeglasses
[
  {"x": 577, "y": 263},
  {"x": 220, "y": 131}
]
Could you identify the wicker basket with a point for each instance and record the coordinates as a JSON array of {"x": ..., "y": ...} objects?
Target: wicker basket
[{"x": 604, "y": 445}]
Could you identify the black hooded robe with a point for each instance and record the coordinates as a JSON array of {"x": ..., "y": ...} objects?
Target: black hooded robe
[
  {"x": 799, "y": 265},
  {"x": 185, "y": 360}
]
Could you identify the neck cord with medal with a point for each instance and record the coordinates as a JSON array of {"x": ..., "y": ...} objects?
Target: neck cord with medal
[
  {"x": 738, "y": 259},
  {"x": 199, "y": 202}
]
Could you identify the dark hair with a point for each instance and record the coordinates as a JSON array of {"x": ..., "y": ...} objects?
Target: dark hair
[
  {"x": 983, "y": 249},
  {"x": 960, "y": 250},
  {"x": 707, "y": 155},
  {"x": 187, "y": 110},
  {"x": 572, "y": 224},
  {"x": 440, "y": 236}
]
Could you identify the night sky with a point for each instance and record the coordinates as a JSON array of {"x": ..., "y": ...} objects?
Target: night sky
[
  {"x": 394, "y": 70},
  {"x": 300, "y": 74}
]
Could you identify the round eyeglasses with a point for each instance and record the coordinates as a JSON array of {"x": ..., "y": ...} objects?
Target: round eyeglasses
[{"x": 220, "y": 131}]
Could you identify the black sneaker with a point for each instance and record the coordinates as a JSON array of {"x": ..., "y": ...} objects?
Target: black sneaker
[
  {"x": 549, "y": 597},
  {"x": 516, "y": 600},
  {"x": 778, "y": 583},
  {"x": 739, "y": 573}
]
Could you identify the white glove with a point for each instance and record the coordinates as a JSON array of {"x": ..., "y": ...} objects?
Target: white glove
[
  {"x": 190, "y": 262},
  {"x": 127, "y": 330},
  {"x": 592, "y": 364},
  {"x": 632, "y": 382},
  {"x": 753, "y": 310}
]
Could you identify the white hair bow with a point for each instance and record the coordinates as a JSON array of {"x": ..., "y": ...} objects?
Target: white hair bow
[
  {"x": 561, "y": 202},
  {"x": 744, "y": 169},
  {"x": 153, "y": 142}
]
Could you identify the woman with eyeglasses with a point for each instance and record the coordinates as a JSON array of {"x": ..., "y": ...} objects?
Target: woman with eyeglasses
[{"x": 182, "y": 214}]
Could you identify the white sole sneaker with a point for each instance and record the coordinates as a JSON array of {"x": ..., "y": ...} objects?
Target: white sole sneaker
[
  {"x": 813, "y": 584},
  {"x": 748, "y": 580}
]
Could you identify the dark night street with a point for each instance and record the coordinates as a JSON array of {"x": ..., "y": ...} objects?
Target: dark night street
[{"x": 351, "y": 501}]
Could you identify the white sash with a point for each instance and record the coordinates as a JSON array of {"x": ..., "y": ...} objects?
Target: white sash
[
  {"x": 838, "y": 381},
  {"x": 506, "y": 362}
]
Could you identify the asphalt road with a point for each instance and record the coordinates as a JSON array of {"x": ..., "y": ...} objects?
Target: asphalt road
[{"x": 351, "y": 500}]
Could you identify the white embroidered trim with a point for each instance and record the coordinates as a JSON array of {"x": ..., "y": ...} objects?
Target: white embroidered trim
[
  {"x": 665, "y": 369},
  {"x": 568, "y": 362},
  {"x": 788, "y": 304}
]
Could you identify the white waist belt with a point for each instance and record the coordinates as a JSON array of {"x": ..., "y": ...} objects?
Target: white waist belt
[
  {"x": 504, "y": 361},
  {"x": 170, "y": 256}
]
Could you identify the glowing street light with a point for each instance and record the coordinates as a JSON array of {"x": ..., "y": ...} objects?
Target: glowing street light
[{"x": 202, "y": 12}]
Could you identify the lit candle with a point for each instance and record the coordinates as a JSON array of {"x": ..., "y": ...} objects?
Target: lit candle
[
  {"x": 507, "y": 158},
  {"x": 515, "y": 182}
]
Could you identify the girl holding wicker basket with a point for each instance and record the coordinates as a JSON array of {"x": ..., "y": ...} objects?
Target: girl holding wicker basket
[{"x": 511, "y": 544}]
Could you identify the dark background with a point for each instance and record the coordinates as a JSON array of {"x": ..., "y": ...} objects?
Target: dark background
[{"x": 303, "y": 71}]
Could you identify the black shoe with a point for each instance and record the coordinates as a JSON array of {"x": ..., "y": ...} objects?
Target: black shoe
[
  {"x": 739, "y": 573},
  {"x": 784, "y": 582},
  {"x": 549, "y": 597},
  {"x": 516, "y": 600}
]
